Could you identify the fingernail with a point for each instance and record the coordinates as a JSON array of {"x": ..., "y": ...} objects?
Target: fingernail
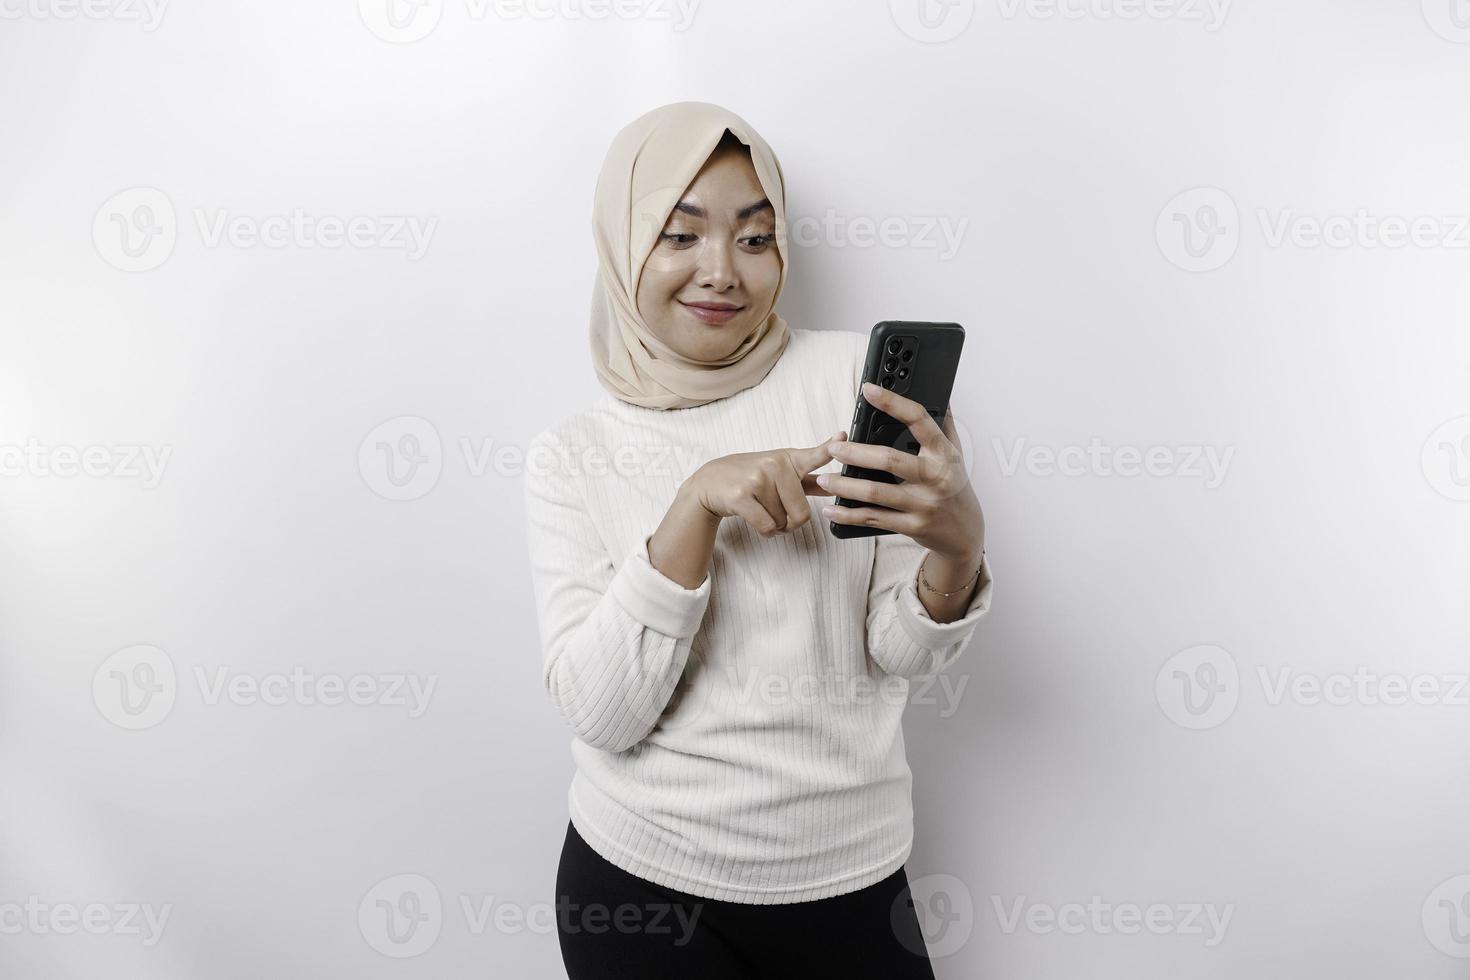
[
  {"x": 822, "y": 479},
  {"x": 829, "y": 511}
]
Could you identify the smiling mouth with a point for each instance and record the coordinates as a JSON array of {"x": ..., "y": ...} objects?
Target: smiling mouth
[{"x": 713, "y": 313}]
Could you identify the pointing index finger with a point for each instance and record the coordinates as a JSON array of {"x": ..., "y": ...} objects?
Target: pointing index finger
[{"x": 813, "y": 457}]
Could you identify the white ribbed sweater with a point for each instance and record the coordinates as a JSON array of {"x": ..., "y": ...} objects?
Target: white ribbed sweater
[{"x": 740, "y": 741}]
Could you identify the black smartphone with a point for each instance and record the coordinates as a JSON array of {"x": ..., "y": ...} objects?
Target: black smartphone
[{"x": 917, "y": 360}]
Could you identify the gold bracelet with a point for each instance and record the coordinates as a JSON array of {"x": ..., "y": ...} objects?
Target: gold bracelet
[{"x": 968, "y": 582}]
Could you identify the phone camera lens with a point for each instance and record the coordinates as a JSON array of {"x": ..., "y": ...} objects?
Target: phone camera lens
[
  {"x": 887, "y": 381},
  {"x": 908, "y": 355},
  {"x": 903, "y": 373},
  {"x": 894, "y": 345},
  {"x": 890, "y": 365}
]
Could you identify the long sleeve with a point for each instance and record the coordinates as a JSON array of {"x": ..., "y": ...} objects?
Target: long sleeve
[
  {"x": 758, "y": 787},
  {"x": 614, "y": 642},
  {"x": 902, "y": 637}
]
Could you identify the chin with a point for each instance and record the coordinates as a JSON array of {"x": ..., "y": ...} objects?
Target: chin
[{"x": 703, "y": 342}]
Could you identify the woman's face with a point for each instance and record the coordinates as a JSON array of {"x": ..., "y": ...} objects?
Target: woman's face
[{"x": 711, "y": 278}]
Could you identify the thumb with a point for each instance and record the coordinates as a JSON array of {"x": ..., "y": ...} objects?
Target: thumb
[{"x": 813, "y": 457}]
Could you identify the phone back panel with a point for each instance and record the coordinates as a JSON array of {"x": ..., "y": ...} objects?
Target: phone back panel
[{"x": 918, "y": 360}]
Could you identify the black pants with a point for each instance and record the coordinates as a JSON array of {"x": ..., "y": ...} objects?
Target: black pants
[{"x": 614, "y": 925}]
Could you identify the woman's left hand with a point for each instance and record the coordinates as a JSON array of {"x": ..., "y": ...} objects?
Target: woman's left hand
[{"x": 934, "y": 504}]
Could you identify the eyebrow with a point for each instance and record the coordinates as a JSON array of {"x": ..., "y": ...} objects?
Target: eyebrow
[{"x": 698, "y": 212}]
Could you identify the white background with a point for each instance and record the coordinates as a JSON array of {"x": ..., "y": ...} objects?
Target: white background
[{"x": 1071, "y": 768}]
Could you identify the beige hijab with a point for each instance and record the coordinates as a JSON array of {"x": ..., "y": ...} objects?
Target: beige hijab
[{"x": 651, "y": 163}]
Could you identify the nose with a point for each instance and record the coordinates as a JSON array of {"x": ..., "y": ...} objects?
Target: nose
[{"x": 716, "y": 266}]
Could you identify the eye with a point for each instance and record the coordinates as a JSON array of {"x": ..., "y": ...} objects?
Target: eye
[
  {"x": 681, "y": 239},
  {"x": 759, "y": 242}
]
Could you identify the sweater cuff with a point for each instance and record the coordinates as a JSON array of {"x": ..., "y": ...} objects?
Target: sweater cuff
[
  {"x": 654, "y": 599},
  {"x": 921, "y": 627}
]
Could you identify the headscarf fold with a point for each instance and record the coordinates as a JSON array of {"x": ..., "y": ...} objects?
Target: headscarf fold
[{"x": 648, "y": 168}]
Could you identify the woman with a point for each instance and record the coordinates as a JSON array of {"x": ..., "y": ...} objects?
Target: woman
[{"x": 735, "y": 675}]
